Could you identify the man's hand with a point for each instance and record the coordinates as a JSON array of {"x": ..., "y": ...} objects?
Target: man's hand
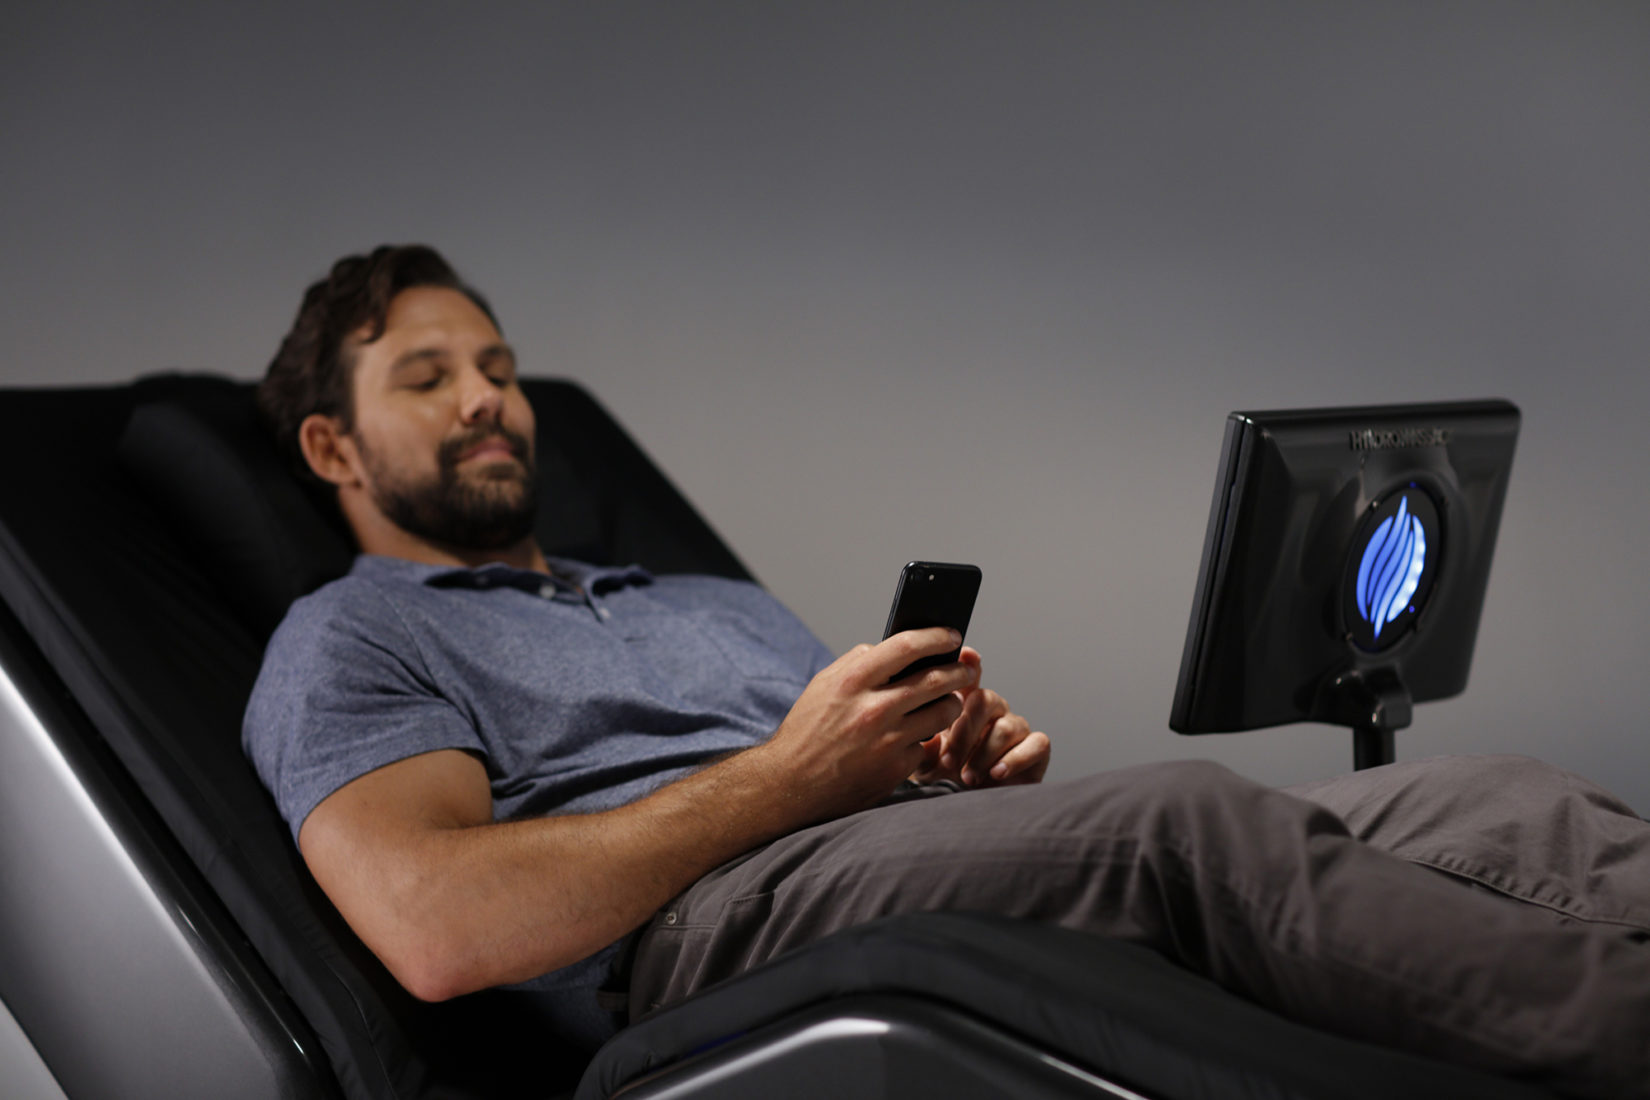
[
  {"x": 853, "y": 736},
  {"x": 987, "y": 745}
]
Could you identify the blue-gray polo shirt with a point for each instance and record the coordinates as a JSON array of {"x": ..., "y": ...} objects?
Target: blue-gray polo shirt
[{"x": 579, "y": 692}]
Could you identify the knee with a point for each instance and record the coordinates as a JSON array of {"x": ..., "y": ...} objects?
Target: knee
[
  {"x": 1166, "y": 778},
  {"x": 1200, "y": 780},
  {"x": 1512, "y": 780},
  {"x": 1503, "y": 772},
  {"x": 1181, "y": 791},
  {"x": 1204, "y": 807}
]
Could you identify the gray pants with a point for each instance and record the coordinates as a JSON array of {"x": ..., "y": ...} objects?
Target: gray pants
[{"x": 1506, "y": 930}]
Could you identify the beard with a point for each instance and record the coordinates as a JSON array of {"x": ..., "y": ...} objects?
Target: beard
[{"x": 487, "y": 508}]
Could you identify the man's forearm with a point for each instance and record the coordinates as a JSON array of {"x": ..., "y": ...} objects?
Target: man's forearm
[{"x": 488, "y": 904}]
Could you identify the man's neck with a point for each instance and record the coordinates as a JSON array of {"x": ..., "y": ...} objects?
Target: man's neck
[
  {"x": 392, "y": 542},
  {"x": 523, "y": 555}
]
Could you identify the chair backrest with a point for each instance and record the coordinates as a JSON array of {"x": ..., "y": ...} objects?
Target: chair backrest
[{"x": 150, "y": 554}]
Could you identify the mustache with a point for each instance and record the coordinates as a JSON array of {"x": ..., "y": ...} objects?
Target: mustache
[{"x": 451, "y": 449}]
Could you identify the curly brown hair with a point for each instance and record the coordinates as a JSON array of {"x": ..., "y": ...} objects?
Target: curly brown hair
[{"x": 312, "y": 372}]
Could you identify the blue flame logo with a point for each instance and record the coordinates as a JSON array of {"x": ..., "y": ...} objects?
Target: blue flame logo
[{"x": 1391, "y": 567}]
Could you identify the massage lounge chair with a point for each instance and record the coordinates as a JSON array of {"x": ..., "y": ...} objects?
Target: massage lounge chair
[{"x": 161, "y": 937}]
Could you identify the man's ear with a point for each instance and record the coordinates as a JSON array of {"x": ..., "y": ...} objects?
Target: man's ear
[{"x": 328, "y": 450}]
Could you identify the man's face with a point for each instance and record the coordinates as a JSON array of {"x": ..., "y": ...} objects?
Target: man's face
[{"x": 443, "y": 431}]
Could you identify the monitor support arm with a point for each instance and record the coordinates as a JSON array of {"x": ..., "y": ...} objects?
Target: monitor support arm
[{"x": 1374, "y": 703}]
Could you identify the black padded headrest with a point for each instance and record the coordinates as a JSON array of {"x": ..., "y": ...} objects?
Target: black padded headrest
[
  {"x": 196, "y": 447},
  {"x": 200, "y": 454}
]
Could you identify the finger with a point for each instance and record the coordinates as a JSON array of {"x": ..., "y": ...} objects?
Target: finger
[
  {"x": 1025, "y": 762},
  {"x": 980, "y": 709},
  {"x": 913, "y": 760},
  {"x": 1002, "y": 735},
  {"x": 930, "y": 721},
  {"x": 930, "y": 753},
  {"x": 922, "y": 688},
  {"x": 896, "y": 652},
  {"x": 959, "y": 740},
  {"x": 928, "y": 768},
  {"x": 970, "y": 657},
  {"x": 850, "y": 663}
]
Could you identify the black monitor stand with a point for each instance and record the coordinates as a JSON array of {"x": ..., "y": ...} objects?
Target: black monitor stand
[{"x": 1375, "y": 703}]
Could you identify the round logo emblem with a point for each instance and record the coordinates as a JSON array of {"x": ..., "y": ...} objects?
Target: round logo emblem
[{"x": 1391, "y": 568}]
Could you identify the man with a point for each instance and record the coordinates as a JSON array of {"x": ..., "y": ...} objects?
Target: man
[{"x": 503, "y": 768}]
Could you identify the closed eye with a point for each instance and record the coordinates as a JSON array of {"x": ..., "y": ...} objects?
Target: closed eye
[
  {"x": 420, "y": 370},
  {"x": 424, "y": 381},
  {"x": 498, "y": 363}
]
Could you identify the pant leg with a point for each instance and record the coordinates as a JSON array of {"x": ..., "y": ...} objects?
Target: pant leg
[
  {"x": 1511, "y": 824},
  {"x": 1266, "y": 893}
]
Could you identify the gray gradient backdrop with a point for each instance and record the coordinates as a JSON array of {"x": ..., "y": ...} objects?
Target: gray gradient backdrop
[{"x": 973, "y": 281}]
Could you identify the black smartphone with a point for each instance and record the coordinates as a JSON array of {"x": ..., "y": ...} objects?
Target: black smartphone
[{"x": 933, "y": 593}]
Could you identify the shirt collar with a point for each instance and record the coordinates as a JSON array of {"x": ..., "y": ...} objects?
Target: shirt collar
[{"x": 564, "y": 573}]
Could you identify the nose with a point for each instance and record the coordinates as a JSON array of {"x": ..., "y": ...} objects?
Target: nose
[{"x": 480, "y": 398}]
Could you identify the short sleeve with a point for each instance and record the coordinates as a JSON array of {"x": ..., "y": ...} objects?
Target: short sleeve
[{"x": 343, "y": 691}]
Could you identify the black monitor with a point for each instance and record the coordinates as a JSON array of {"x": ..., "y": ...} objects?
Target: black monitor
[{"x": 1344, "y": 567}]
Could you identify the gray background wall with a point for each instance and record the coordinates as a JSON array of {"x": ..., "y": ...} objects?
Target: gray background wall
[{"x": 972, "y": 281}]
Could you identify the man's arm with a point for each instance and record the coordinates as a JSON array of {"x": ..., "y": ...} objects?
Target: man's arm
[{"x": 453, "y": 902}]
